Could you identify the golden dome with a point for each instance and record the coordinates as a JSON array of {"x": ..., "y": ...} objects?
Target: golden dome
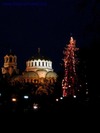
[{"x": 51, "y": 74}]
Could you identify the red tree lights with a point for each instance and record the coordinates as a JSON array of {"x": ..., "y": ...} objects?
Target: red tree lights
[{"x": 69, "y": 82}]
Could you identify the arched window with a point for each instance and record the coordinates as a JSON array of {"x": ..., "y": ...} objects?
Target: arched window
[
  {"x": 6, "y": 60},
  {"x": 32, "y": 63},
  {"x": 35, "y": 63},
  {"x": 46, "y": 63},
  {"x": 39, "y": 63},
  {"x": 10, "y": 59},
  {"x": 42, "y": 63}
]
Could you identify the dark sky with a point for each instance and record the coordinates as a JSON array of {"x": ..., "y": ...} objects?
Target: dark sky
[{"x": 25, "y": 26}]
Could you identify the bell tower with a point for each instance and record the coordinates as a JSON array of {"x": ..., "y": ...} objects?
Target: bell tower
[{"x": 10, "y": 64}]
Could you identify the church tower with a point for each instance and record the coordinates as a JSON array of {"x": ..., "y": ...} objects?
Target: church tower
[{"x": 10, "y": 64}]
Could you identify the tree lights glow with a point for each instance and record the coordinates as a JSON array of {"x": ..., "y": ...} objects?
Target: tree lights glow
[{"x": 70, "y": 77}]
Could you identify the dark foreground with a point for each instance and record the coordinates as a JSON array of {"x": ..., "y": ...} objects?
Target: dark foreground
[{"x": 50, "y": 105}]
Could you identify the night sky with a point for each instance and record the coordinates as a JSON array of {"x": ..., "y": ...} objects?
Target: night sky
[{"x": 27, "y": 26}]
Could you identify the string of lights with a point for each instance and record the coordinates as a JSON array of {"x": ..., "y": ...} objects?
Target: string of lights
[{"x": 69, "y": 81}]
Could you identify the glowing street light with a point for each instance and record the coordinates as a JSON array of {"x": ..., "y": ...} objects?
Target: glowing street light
[
  {"x": 26, "y": 97},
  {"x": 74, "y": 96},
  {"x": 14, "y": 99}
]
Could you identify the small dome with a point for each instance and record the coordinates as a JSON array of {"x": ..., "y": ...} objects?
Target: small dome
[
  {"x": 30, "y": 74},
  {"x": 51, "y": 75},
  {"x": 42, "y": 73}
]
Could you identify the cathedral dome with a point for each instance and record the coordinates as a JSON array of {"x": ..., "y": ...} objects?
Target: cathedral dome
[
  {"x": 30, "y": 75},
  {"x": 51, "y": 75},
  {"x": 38, "y": 62}
]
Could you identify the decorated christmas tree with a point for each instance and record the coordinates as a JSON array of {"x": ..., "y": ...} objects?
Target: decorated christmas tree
[{"x": 69, "y": 82}]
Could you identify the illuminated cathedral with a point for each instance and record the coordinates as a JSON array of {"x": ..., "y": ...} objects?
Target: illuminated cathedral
[{"x": 38, "y": 70}]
